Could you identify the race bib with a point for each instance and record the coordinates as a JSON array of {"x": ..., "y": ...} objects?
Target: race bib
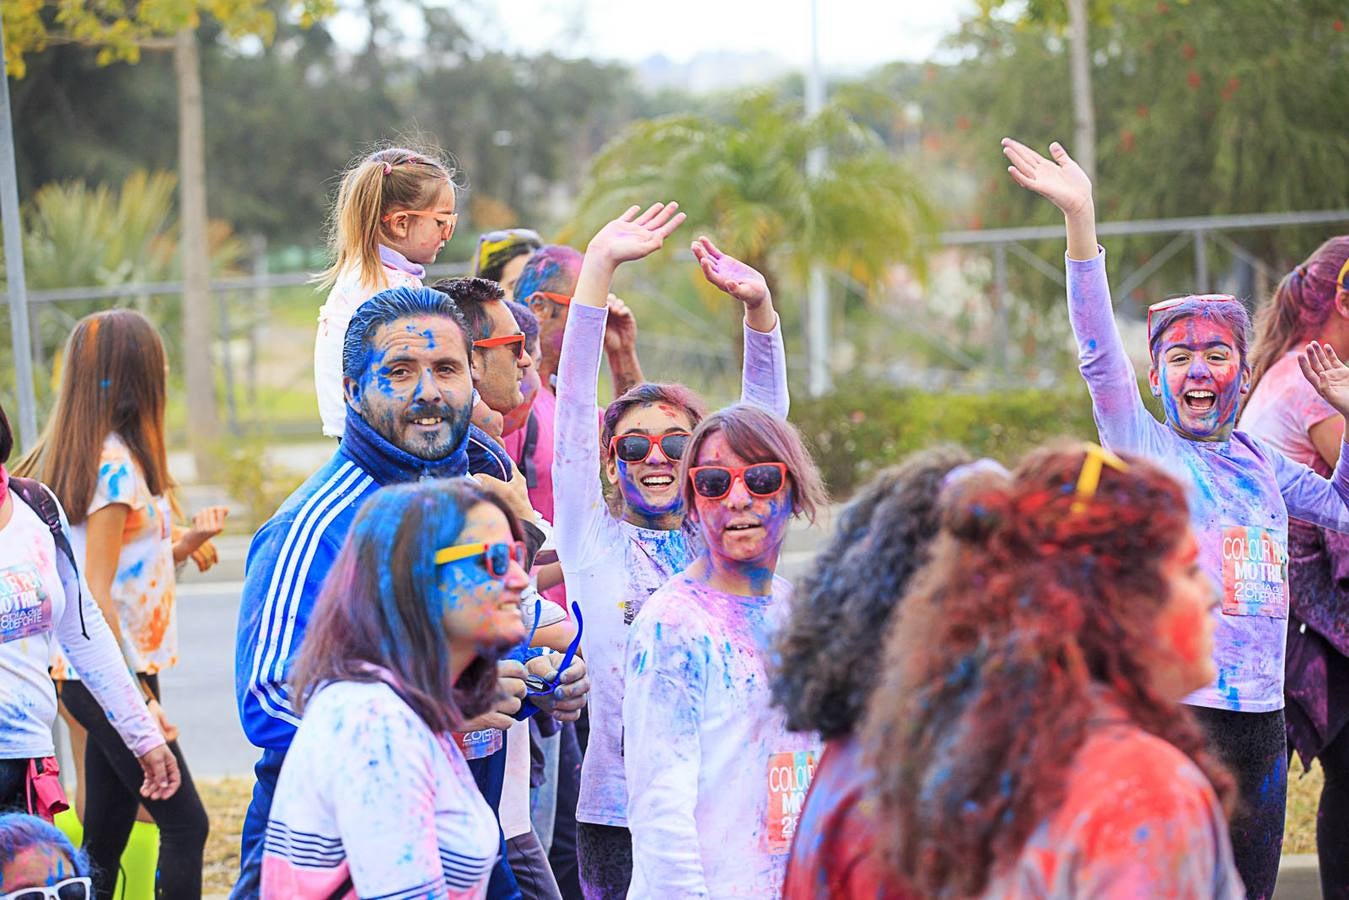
[
  {"x": 25, "y": 608},
  {"x": 480, "y": 744},
  {"x": 789, "y": 777},
  {"x": 1255, "y": 572}
]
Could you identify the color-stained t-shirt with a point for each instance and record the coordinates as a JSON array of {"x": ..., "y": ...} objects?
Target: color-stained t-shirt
[
  {"x": 1138, "y": 819},
  {"x": 143, "y": 587},
  {"x": 346, "y": 296},
  {"x": 612, "y": 566},
  {"x": 1240, "y": 492},
  {"x": 371, "y": 803},
  {"x": 39, "y": 597},
  {"x": 834, "y": 855},
  {"x": 715, "y": 780},
  {"x": 1281, "y": 411},
  {"x": 538, "y": 468}
]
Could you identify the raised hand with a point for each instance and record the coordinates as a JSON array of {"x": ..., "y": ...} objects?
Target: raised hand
[
  {"x": 620, "y": 332},
  {"x": 1059, "y": 180},
  {"x": 1322, "y": 368},
  {"x": 633, "y": 236},
  {"x": 744, "y": 283}
]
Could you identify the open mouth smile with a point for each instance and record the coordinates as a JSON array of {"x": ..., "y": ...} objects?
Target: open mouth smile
[{"x": 1200, "y": 401}]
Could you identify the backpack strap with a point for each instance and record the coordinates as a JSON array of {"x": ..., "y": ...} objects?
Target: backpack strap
[{"x": 44, "y": 504}]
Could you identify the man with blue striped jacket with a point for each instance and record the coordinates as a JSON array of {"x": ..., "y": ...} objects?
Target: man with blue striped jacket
[{"x": 409, "y": 391}]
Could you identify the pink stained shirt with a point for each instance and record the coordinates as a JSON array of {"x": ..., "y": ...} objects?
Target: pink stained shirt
[{"x": 1138, "y": 819}]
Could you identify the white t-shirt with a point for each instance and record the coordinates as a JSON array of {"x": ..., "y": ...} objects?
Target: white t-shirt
[
  {"x": 371, "y": 803},
  {"x": 143, "y": 588},
  {"x": 715, "y": 780},
  {"x": 611, "y": 566},
  {"x": 334, "y": 315},
  {"x": 39, "y": 594}
]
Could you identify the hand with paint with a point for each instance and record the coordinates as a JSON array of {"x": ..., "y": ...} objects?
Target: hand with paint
[
  {"x": 743, "y": 282},
  {"x": 162, "y": 777},
  {"x": 567, "y": 700},
  {"x": 1062, "y": 182},
  {"x": 632, "y": 236},
  {"x": 511, "y": 692},
  {"x": 166, "y": 728},
  {"x": 514, "y": 493},
  {"x": 205, "y": 525},
  {"x": 1323, "y": 369}
]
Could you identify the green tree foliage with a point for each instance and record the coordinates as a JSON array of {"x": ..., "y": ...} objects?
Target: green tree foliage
[
  {"x": 742, "y": 178},
  {"x": 1202, "y": 108}
]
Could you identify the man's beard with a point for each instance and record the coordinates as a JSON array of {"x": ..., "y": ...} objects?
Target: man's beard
[{"x": 432, "y": 447}]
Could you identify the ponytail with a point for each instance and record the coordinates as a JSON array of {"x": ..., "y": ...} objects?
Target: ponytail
[
  {"x": 1301, "y": 305},
  {"x": 385, "y": 181}
]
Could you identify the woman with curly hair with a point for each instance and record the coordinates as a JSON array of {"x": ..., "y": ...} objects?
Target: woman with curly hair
[
  {"x": 838, "y": 618},
  {"x": 1027, "y": 735}
]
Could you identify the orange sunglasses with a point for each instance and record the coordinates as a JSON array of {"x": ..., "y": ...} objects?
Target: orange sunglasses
[
  {"x": 563, "y": 299},
  {"x": 517, "y": 339},
  {"x": 446, "y": 221}
]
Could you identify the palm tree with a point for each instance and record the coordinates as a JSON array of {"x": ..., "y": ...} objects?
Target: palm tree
[{"x": 742, "y": 178}]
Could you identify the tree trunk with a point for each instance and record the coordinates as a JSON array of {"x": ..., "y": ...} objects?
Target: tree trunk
[
  {"x": 198, "y": 369},
  {"x": 1084, "y": 116}
]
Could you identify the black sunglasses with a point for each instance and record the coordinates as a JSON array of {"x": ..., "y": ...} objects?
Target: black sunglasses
[{"x": 635, "y": 447}]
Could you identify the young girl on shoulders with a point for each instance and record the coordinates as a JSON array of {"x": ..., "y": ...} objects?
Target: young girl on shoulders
[{"x": 394, "y": 213}]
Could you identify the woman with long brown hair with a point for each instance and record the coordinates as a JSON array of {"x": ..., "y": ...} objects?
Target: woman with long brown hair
[
  {"x": 1311, "y": 303},
  {"x": 103, "y": 455},
  {"x": 375, "y": 798},
  {"x": 1027, "y": 736}
]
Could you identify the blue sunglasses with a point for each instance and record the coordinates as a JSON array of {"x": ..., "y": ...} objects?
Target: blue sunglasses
[{"x": 536, "y": 686}]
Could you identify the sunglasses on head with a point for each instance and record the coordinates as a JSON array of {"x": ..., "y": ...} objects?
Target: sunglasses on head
[
  {"x": 1172, "y": 303},
  {"x": 635, "y": 447},
  {"x": 78, "y": 888},
  {"x": 496, "y": 557},
  {"x": 1339, "y": 279},
  {"x": 760, "y": 479},
  {"x": 1094, "y": 460},
  {"x": 560, "y": 299},
  {"x": 515, "y": 341},
  {"x": 444, "y": 221}
]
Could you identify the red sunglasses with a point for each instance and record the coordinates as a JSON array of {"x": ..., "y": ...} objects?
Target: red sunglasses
[
  {"x": 760, "y": 479},
  {"x": 1172, "y": 303},
  {"x": 517, "y": 339},
  {"x": 496, "y": 557}
]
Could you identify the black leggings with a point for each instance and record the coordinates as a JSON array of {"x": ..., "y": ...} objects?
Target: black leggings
[
  {"x": 14, "y": 785},
  {"x": 604, "y": 857},
  {"x": 1254, "y": 747},
  {"x": 1332, "y": 819},
  {"x": 112, "y": 781}
]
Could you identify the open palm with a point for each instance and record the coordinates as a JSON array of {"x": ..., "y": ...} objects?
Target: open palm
[
  {"x": 632, "y": 236},
  {"x": 729, "y": 274},
  {"x": 1325, "y": 372},
  {"x": 1059, "y": 180}
]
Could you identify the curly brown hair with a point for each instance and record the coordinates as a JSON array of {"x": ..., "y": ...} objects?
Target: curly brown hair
[
  {"x": 1036, "y": 600},
  {"x": 841, "y": 606}
]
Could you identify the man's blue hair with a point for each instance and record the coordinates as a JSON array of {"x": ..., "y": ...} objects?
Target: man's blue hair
[
  {"x": 20, "y": 832},
  {"x": 390, "y": 306}
]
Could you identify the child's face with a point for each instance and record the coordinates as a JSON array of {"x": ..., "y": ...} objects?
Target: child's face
[
  {"x": 1198, "y": 373},
  {"x": 421, "y": 234}
]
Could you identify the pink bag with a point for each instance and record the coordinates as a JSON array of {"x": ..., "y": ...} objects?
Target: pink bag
[{"x": 44, "y": 786}]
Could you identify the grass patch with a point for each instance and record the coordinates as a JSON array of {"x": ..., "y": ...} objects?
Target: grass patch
[{"x": 1304, "y": 792}]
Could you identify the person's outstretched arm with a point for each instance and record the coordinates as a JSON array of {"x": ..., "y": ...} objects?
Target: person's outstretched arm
[
  {"x": 764, "y": 382},
  {"x": 579, "y": 509},
  {"x": 1121, "y": 418},
  {"x": 620, "y": 347}
]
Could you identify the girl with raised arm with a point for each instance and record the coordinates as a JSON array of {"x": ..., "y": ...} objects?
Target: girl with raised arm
[
  {"x": 1241, "y": 490},
  {"x": 716, "y": 781},
  {"x": 612, "y": 563}
]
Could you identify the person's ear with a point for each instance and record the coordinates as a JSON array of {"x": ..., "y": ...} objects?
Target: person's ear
[
  {"x": 351, "y": 388},
  {"x": 1154, "y": 380}
]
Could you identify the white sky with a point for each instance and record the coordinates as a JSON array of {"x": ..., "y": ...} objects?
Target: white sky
[{"x": 854, "y": 34}]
